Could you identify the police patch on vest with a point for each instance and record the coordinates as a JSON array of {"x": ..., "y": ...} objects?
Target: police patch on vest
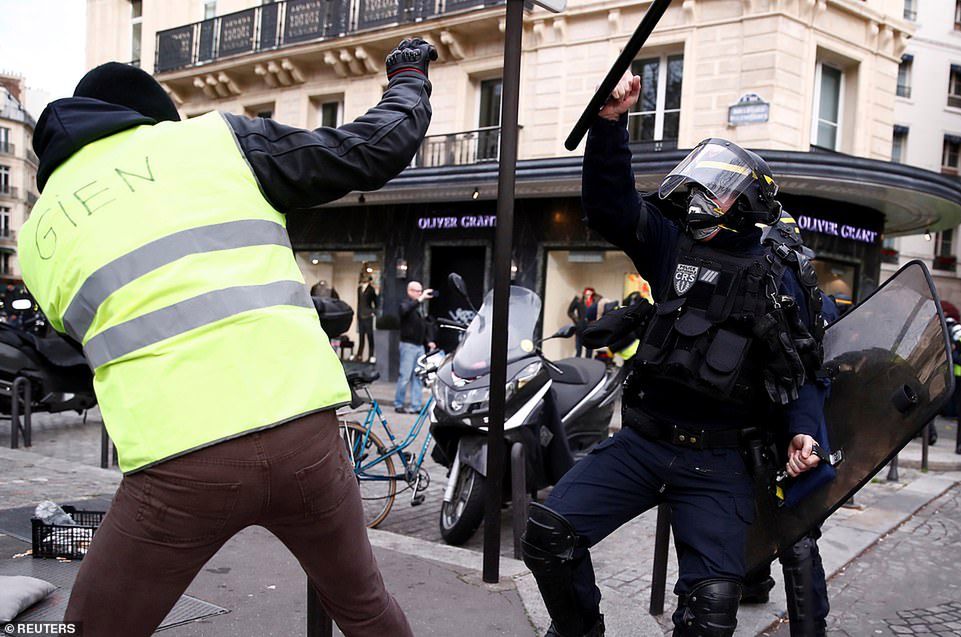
[
  {"x": 709, "y": 276},
  {"x": 684, "y": 277}
]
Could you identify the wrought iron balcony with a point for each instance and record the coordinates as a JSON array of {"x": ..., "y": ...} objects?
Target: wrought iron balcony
[
  {"x": 904, "y": 91},
  {"x": 7, "y": 148},
  {"x": 9, "y": 192},
  {"x": 288, "y": 22},
  {"x": 459, "y": 149},
  {"x": 31, "y": 198},
  {"x": 8, "y": 237}
]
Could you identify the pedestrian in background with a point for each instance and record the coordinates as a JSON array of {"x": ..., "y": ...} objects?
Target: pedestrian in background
[
  {"x": 580, "y": 311},
  {"x": 416, "y": 333},
  {"x": 160, "y": 246}
]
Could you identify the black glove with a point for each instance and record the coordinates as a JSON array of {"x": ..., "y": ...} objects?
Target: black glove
[
  {"x": 783, "y": 372},
  {"x": 618, "y": 327},
  {"x": 410, "y": 56}
]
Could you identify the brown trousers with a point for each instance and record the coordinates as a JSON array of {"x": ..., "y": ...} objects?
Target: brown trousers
[{"x": 166, "y": 521}]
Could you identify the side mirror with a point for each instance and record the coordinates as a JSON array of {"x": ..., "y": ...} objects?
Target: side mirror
[
  {"x": 456, "y": 281},
  {"x": 565, "y": 332}
]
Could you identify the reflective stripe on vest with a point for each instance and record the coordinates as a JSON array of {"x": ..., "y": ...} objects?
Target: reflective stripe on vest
[{"x": 155, "y": 249}]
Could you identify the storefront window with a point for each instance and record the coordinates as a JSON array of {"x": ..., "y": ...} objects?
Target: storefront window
[
  {"x": 609, "y": 272},
  {"x": 656, "y": 116},
  {"x": 340, "y": 274},
  {"x": 837, "y": 279}
]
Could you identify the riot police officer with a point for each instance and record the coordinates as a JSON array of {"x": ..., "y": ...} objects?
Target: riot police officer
[{"x": 731, "y": 346}]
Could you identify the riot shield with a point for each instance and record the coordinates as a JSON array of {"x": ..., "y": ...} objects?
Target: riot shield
[{"x": 892, "y": 372}]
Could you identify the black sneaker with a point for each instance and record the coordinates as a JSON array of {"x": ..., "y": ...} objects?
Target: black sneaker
[{"x": 400, "y": 410}]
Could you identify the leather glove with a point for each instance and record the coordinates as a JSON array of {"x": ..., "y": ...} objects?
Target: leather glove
[
  {"x": 783, "y": 372},
  {"x": 410, "y": 56},
  {"x": 616, "y": 326}
]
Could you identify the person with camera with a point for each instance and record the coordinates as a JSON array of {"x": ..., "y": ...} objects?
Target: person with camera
[{"x": 416, "y": 333}]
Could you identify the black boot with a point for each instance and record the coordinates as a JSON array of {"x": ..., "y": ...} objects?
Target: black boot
[
  {"x": 932, "y": 434},
  {"x": 757, "y": 591},
  {"x": 597, "y": 630}
]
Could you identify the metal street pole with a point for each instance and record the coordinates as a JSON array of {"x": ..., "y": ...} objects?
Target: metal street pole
[{"x": 502, "y": 280}]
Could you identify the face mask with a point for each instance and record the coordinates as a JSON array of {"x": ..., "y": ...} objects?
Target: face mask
[{"x": 703, "y": 216}]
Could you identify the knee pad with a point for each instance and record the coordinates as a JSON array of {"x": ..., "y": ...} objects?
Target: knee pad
[
  {"x": 548, "y": 541},
  {"x": 709, "y": 610},
  {"x": 548, "y": 547}
]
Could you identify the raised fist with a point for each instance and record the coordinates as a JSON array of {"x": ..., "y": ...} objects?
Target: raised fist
[
  {"x": 623, "y": 97},
  {"x": 410, "y": 56}
]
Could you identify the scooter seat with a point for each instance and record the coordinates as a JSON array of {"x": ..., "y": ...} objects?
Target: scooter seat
[{"x": 578, "y": 371}]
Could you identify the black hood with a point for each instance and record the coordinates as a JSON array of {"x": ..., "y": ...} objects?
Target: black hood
[{"x": 69, "y": 124}]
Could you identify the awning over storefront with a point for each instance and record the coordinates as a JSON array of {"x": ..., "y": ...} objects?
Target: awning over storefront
[{"x": 911, "y": 199}]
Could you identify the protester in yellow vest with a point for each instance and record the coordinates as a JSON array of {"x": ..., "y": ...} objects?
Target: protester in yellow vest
[{"x": 160, "y": 247}]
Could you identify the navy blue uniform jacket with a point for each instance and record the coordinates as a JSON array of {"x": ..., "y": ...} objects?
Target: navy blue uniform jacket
[{"x": 635, "y": 223}]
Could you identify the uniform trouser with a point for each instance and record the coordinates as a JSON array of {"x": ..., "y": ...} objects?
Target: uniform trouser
[
  {"x": 709, "y": 492},
  {"x": 165, "y": 522},
  {"x": 365, "y": 331}
]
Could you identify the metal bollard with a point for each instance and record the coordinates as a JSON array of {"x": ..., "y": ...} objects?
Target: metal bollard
[
  {"x": 319, "y": 623},
  {"x": 518, "y": 494},
  {"x": 924, "y": 447},
  {"x": 661, "y": 546},
  {"x": 15, "y": 427},
  {"x": 893, "y": 470}
]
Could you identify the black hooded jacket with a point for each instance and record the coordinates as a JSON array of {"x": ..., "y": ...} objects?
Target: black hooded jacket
[{"x": 295, "y": 168}]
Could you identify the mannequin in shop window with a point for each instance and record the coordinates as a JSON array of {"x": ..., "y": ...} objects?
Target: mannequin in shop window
[{"x": 367, "y": 299}]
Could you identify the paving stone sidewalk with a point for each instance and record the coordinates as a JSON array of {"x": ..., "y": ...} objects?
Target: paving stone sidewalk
[{"x": 905, "y": 584}]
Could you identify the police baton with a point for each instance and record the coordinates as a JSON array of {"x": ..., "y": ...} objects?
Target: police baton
[{"x": 623, "y": 62}]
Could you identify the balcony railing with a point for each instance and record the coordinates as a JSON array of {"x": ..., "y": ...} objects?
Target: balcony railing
[
  {"x": 459, "y": 149},
  {"x": 7, "y": 148},
  {"x": 910, "y": 14},
  {"x": 280, "y": 24},
  {"x": 32, "y": 157},
  {"x": 954, "y": 101},
  {"x": 8, "y": 236},
  {"x": 31, "y": 198},
  {"x": 947, "y": 262},
  {"x": 9, "y": 192},
  {"x": 904, "y": 91}
]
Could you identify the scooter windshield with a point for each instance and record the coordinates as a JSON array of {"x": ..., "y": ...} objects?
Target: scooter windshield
[{"x": 473, "y": 356}]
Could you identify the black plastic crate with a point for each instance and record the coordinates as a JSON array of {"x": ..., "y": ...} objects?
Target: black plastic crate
[{"x": 71, "y": 542}]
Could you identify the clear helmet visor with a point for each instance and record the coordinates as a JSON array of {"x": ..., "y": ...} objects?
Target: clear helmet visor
[{"x": 716, "y": 168}]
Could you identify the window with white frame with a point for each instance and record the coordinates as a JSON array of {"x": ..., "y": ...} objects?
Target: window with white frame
[
  {"x": 899, "y": 144},
  {"x": 904, "y": 75},
  {"x": 949, "y": 156},
  {"x": 657, "y": 114},
  {"x": 954, "y": 86},
  {"x": 210, "y": 9},
  {"x": 4, "y": 221},
  {"x": 957, "y": 15},
  {"x": 945, "y": 243},
  {"x": 5, "y": 140},
  {"x": 5, "y": 263},
  {"x": 5, "y": 179},
  {"x": 136, "y": 30},
  {"x": 489, "y": 118},
  {"x": 828, "y": 107},
  {"x": 910, "y": 9}
]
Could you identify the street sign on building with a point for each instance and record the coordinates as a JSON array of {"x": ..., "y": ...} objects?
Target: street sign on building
[{"x": 750, "y": 109}]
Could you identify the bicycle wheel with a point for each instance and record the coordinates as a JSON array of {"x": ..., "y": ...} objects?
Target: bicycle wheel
[{"x": 378, "y": 483}]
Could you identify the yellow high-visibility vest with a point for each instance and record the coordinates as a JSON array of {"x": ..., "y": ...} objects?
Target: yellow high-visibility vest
[{"x": 156, "y": 250}]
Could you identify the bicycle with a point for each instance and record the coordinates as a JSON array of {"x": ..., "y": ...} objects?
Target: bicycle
[{"x": 373, "y": 458}]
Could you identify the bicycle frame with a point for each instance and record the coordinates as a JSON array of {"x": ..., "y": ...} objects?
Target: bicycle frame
[{"x": 374, "y": 413}]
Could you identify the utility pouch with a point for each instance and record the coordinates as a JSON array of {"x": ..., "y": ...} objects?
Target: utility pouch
[{"x": 723, "y": 361}]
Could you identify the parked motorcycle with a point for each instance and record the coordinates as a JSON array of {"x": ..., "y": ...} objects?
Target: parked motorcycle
[
  {"x": 60, "y": 379},
  {"x": 559, "y": 410}
]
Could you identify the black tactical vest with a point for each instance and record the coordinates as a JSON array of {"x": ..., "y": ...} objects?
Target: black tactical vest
[{"x": 702, "y": 335}]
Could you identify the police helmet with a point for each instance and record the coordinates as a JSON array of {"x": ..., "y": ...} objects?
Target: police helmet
[{"x": 737, "y": 180}]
